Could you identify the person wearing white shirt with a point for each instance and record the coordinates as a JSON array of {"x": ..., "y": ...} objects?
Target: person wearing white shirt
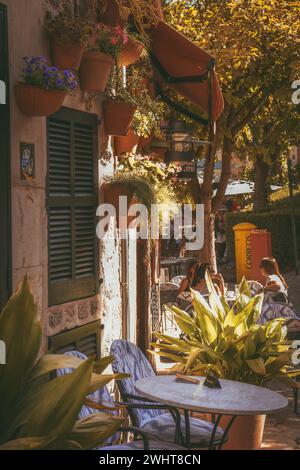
[{"x": 276, "y": 288}]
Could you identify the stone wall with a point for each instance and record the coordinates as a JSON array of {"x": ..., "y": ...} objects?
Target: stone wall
[{"x": 29, "y": 217}]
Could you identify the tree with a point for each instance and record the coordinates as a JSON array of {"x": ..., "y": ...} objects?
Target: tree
[
  {"x": 267, "y": 140},
  {"x": 255, "y": 43}
]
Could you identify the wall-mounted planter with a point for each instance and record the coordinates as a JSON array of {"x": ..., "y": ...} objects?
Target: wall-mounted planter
[
  {"x": 118, "y": 117},
  {"x": 94, "y": 71},
  {"x": 145, "y": 141},
  {"x": 36, "y": 101},
  {"x": 159, "y": 148},
  {"x": 131, "y": 52},
  {"x": 66, "y": 56},
  {"x": 125, "y": 144},
  {"x": 111, "y": 16},
  {"x": 111, "y": 193}
]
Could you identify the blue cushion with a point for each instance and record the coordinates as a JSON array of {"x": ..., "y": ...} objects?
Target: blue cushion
[
  {"x": 129, "y": 359},
  {"x": 271, "y": 311},
  {"x": 163, "y": 428},
  {"x": 139, "y": 445},
  {"x": 100, "y": 396}
]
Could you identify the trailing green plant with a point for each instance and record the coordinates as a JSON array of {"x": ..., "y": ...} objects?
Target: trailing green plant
[
  {"x": 66, "y": 25},
  {"x": 143, "y": 13},
  {"x": 228, "y": 342},
  {"x": 37, "y": 412},
  {"x": 139, "y": 186},
  {"x": 161, "y": 176},
  {"x": 150, "y": 112}
]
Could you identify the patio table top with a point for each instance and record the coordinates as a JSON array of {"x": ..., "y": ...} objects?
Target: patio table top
[{"x": 234, "y": 398}]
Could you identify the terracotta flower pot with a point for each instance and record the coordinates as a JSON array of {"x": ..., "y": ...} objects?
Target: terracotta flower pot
[
  {"x": 131, "y": 52},
  {"x": 145, "y": 141},
  {"x": 159, "y": 150},
  {"x": 111, "y": 194},
  {"x": 35, "y": 101},
  {"x": 246, "y": 432},
  {"x": 124, "y": 144},
  {"x": 111, "y": 16},
  {"x": 94, "y": 71},
  {"x": 117, "y": 116},
  {"x": 66, "y": 56}
]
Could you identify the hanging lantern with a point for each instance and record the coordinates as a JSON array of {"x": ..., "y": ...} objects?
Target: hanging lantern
[{"x": 180, "y": 139}]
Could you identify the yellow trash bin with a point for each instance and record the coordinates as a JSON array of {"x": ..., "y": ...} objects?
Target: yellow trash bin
[{"x": 242, "y": 250}]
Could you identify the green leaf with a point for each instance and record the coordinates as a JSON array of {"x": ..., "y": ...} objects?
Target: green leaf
[
  {"x": 93, "y": 431},
  {"x": 58, "y": 405},
  {"x": 257, "y": 365},
  {"x": 21, "y": 331},
  {"x": 27, "y": 443}
]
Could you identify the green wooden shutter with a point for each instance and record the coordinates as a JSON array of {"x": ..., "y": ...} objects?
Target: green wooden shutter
[
  {"x": 85, "y": 339},
  {"x": 72, "y": 200}
]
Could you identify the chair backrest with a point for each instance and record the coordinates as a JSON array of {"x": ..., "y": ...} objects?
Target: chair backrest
[
  {"x": 270, "y": 311},
  {"x": 99, "y": 396},
  {"x": 177, "y": 280},
  {"x": 254, "y": 287},
  {"x": 129, "y": 359}
]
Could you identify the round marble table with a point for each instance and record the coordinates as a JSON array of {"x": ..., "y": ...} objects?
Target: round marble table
[{"x": 234, "y": 398}]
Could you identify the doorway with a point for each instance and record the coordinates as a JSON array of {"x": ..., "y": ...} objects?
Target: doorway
[{"x": 5, "y": 185}]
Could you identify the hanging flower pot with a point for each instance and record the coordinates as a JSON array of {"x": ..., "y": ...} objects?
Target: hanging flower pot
[
  {"x": 66, "y": 56},
  {"x": 44, "y": 88},
  {"x": 94, "y": 71},
  {"x": 159, "y": 148},
  {"x": 145, "y": 141},
  {"x": 36, "y": 101},
  {"x": 124, "y": 144},
  {"x": 131, "y": 52},
  {"x": 118, "y": 116},
  {"x": 111, "y": 194},
  {"x": 111, "y": 15}
]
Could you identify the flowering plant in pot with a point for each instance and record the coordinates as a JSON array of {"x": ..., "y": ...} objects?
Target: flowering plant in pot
[
  {"x": 69, "y": 33},
  {"x": 104, "y": 49},
  {"x": 228, "y": 342},
  {"x": 43, "y": 88}
]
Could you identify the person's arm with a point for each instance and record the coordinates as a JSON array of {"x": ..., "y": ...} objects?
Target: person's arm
[
  {"x": 219, "y": 281},
  {"x": 272, "y": 286},
  {"x": 183, "y": 286}
]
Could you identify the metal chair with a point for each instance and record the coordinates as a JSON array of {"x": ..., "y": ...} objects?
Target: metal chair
[
  {"x": 102, "y": 396},
  {"x": 157, "y": 420}
]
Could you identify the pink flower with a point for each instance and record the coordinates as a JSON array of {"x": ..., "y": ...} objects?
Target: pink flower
[{"x": 114, "y": 41}]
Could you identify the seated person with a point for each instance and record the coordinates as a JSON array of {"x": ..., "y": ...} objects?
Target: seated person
[
  {"x": 187, "y": 281},
  {"x": 199, "y": 282},
  {"x": 275, "y": 289}
]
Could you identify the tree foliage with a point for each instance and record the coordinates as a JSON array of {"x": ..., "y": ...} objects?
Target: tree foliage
[{"x": 256, "y": 46}]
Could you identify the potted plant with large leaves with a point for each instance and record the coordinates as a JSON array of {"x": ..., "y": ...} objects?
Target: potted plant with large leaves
[
  {"x": 69, "y": 33},
  {"x": 39, "y": 411},
  {"x": 103, "y": 51},
  {"x": 43, "y": 88},
  {"x": 228, "y": 342}
]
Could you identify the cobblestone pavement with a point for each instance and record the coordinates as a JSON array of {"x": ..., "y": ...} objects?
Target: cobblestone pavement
[{"x": 282, "y": 431}]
